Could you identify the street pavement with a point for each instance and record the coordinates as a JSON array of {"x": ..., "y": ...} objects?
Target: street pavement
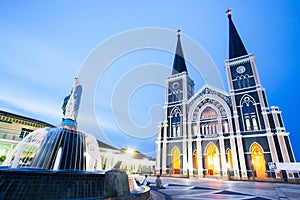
[{"x": 208, "y": 188}]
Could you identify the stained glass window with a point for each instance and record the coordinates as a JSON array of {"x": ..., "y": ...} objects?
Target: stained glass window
[{"x": 209, "y": 113}]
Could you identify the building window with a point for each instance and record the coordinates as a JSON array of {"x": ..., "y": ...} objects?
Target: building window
[
  {"x": 247, "y": 81},
  {"x": 245, "y": 109},
  {"x": 249, "y": 113},
  {"x": 208, "y": 113},
  {"x": 254, "y": 122},
  {"x": 175, "y": 123},
  {"x": 248, "y": 126},
  {"x": 178, "y": 131},
  {"x": 209, "y": 121},
  {"x": 24, "y": 132},
  {"x": 174, "y": 131},
  {"x": 251, "y": 108},
  {"x": 176, "y": 116},
  {"x": 225, "y": 127},
  {"x": 239, "y": 82}
]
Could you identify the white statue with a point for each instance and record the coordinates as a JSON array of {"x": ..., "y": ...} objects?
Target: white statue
[{"x": 71, "y": 103}]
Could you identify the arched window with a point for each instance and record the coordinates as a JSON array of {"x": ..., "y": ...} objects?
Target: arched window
[
  {"x": 249, "y": 114},
  {"x": 175, "y": 122},
  {"x": 247, "y": 81},
  {"x": 208, "y": 113},
  {"x": 175, "y": 116},
  {"x": 239, "y": 82},
  {"x": 209, "y": 121},
  {"x": 244, "y": 81}
]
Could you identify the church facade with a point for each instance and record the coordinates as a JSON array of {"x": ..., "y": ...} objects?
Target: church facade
[{"x": 215, "y": 133}]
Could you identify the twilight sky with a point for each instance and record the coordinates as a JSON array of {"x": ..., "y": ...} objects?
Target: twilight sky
[{"x": 43, "y": 46}]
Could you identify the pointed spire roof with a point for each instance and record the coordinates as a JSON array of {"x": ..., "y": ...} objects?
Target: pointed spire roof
[
  {"x": 179, "y": 62},
  {"x": 236, "y": 46}
]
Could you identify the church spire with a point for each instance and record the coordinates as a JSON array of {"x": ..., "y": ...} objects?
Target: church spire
[
  {"x": 179, "y": 62},
  {"x": 236, "y": 46}
]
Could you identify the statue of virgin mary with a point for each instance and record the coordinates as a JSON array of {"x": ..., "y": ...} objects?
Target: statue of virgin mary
[{"x": 71, "y": 103}]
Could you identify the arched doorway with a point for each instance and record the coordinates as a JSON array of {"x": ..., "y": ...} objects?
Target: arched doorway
[
  {"x": 229, "y": 159},
  {"x": 258, "y": 161},
  {"x": 175, "y": 161},
  {"x": 195, "y": 160},
  {"x": 212, "y": 160}
]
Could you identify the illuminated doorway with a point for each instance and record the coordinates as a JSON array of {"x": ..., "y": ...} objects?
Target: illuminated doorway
[
  {"x": 229, "y": 159},
  {"x": 258, "y": 161},
  {"x": 212, "y": 160},
  {"x": 195, "y": 159},
  {"x": 175, "y": 161}
]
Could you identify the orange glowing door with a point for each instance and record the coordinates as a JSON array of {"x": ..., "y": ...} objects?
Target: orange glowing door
[
  {"x": 258, "y": 161},
  {"x": 176, "y": 161}
]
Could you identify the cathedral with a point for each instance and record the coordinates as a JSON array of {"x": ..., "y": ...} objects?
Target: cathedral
[{"x": 215, "y": 133}]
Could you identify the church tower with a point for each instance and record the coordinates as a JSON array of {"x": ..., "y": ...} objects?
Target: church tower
[
  {"x": 259, "y": 129},
  {"x": 179, "y": 88}
]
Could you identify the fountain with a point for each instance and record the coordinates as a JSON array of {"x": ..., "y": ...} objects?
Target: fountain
[{"x": 62, "y": 163}]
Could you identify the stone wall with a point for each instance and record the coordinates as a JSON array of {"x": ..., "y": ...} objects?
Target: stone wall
[
  {"x": 46, "y": 184},
  {"x": 29, "y": 183}
]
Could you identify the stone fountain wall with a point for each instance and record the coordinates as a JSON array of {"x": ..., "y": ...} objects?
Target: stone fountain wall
[
  {"x": 46, "y": 184},
  {"x": 29, "y": 183}
]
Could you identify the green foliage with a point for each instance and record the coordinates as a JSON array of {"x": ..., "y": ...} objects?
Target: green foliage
[{"x": 2, "y": 158}]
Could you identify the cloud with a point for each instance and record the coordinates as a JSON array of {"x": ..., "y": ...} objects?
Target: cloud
[{"x": 27, "y": 101}]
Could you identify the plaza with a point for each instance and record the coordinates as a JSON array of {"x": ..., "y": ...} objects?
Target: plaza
[{"x": 209, "y": 188}]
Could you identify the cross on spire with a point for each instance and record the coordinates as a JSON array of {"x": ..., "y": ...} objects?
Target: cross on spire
[
  {"x": 179, "y": 61},
  {"x": 236, "y": 46}
]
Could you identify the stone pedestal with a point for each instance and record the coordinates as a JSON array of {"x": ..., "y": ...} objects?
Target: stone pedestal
[{"x": 116, "y": 184}]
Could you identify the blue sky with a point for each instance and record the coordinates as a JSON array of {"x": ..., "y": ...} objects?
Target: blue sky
[{"x": 44, "y": 45}]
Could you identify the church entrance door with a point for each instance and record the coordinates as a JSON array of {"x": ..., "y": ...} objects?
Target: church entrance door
[
  {"x": 258, "y": 161},
  {"x": 212, "y": 160},
  {"x": 175, "y": 161}
]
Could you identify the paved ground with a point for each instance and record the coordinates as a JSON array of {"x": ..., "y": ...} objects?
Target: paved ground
[{"x": 188, "y": 189}]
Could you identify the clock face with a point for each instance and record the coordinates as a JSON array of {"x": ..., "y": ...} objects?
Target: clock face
[
  {"x": 175, "y": 85},
  {"x": 241, "y": 69}
]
